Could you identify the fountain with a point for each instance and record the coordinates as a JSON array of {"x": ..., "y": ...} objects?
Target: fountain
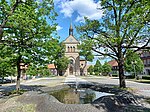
[
  {"x": 78, "y": 93},
  {"x": 76, "y": 86}
]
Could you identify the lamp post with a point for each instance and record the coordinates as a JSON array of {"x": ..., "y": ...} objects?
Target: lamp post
[{"x": 134, "y": 63}]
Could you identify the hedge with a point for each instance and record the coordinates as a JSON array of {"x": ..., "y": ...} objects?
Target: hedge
[
  {"x": 130, "y": 77},
  {"x": 146, "y": 77},
  {"x": 115, "y": 75}
]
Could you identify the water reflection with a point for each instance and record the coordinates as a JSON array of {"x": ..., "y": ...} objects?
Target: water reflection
[{"x": 82, "y": 96}]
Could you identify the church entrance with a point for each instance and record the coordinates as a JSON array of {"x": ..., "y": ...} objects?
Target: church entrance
[{"x": 71, "y": 70}]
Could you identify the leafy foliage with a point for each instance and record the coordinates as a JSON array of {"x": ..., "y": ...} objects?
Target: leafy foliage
[
  {"x": 133, "y": 61},
  {"x": 33, "y": 70},
  {"x": 60, "y": 61},
  {"x": 97, "y": 68},
  {"x": 27, "y": 28},
  {"x": 90, "y": 70},
  {"x": 85, "y": 50},
  {"x": 106, "y": 68},
  {"x": 124, "y": 25},
  {"x": 7, "y": 67}
]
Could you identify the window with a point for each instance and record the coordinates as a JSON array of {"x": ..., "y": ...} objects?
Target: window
[
  {"x": 71, "y": 61},
  {"x": 73, "y": 49},
  {"x": 68, "y": 49}
]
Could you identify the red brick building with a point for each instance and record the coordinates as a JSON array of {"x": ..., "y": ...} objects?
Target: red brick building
[
  {"x": 114, "y": 66},
  {"x": 145, "y": 56}
]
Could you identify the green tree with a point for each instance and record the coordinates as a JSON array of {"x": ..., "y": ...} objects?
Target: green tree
[
  {"x": 97, "y": 68},
  {"x": 124, "y": 25},
  {"x": 7, "y": 67},
  {"x": 133, "y": 63},
  {"x": 7, "y": 10},
  {"x": 106, "y": 68},
  {"x": 86, "y": 53},
  {"x": 43, "y": 71},
  {"x": 90, "y": 70},
  {"x": 57, "y": 56},
  {"x": 32, "y": 70},
  {"x": 62, "y": 64},
  {"x": 29, "y": 32}
]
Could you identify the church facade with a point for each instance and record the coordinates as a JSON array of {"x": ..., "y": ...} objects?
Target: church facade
[{"x": 76, "y": 65}]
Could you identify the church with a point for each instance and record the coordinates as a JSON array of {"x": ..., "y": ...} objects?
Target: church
[{"x": 76, "y": 66}]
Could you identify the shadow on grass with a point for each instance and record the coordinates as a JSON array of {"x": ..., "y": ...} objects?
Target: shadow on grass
[
  {"x": 121, "y": 101},
  {"x": 6, "y": 90},
  {"x": 143, "y": 81}
]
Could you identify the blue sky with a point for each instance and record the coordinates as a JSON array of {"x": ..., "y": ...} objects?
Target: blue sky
[{"x": 75, "y": 11}]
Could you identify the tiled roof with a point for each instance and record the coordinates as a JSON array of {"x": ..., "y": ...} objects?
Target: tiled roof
[
  {"x": 51, "y": 66},
  {"x": 113, "y": 63}
]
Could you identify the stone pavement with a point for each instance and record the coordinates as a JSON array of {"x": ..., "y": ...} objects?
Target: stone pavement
[
  {"x": 72, "y": 79},
  {"x": 34, "y": 102},
  {"x": 49, "y": 105},
  {"x": 140, "y": 88}
]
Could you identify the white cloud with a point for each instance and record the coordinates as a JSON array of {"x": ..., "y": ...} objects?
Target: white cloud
[
  {"x": 84, "y": 8},
  {"x": 56, "y": 1},
  {"x": 59, "y": 28}
]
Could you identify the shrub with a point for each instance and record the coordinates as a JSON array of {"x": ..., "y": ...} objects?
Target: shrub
[
  {"x": 146, "y": 77},
  {"x": 130, "y": 77},
  {"x": 114, "y": 75}
]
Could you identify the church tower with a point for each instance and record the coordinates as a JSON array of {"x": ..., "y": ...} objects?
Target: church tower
[
  {"x": 71, "y": 30},
  {"x": 72, "y": 53}
]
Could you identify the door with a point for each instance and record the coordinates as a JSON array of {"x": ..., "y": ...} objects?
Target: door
[{"x": 71, "y": 70}]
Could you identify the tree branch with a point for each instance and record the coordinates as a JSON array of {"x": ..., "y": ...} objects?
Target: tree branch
[{"x": 110, "y": 55}]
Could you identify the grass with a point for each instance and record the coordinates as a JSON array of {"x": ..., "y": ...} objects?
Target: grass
[
  {"x": 140, "y": 80},
  {"x": 126, "y": 89},
  {"x": 143, "y": 81},
  {"x": 15, "y": 92},
  {"x": 148, "y": 100}
]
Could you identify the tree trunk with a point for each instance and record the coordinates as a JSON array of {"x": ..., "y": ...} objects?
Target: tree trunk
[
  {"x": 84, "y": 67},
  {"x": 121, "y": 73},
  {"x": 18, "y": 74},
  {"x": 56, "y": 69}
]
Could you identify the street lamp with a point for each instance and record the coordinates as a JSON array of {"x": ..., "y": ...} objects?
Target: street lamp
[{"x": 134, "y": 63}]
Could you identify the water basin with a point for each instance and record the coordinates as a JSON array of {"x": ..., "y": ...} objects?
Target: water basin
[{"x": 81, "y": 96}]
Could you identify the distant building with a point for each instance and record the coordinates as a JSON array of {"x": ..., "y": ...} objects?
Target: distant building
[
  {"x": 23, "y": 68},
  {"x": 114, "y": 66},
  {"x": 52, "y": 69},
  {"x": 145, "y": 56},
  {"x": 76, "y": 66}
]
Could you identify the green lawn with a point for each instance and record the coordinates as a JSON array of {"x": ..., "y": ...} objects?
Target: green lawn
[
  {"x": 143, "y": 81},
  {"x": 140, "y": 80},
  {"x": 148, "y": 100}
]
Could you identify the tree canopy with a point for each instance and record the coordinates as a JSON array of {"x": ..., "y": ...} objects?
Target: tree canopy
[
  {"x": 60, "y": 60},
  {"x": 106, "y": 68},
  {"x": 97, "y": 68},
  {"x": 124, "y": 26},
  {"x": 90, "y": 70},
  {"x": 27, "y": 28},
  {"x": 133, "y": 63}
]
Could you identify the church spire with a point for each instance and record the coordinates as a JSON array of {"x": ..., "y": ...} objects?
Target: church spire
[{"x": 71, "y": 29}]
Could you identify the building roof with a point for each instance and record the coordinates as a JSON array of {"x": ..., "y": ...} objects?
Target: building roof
[
  {"x": 71, "y": 39},
  {"x": 113, "y": 63},
  {"x": 50, "y": 66}
]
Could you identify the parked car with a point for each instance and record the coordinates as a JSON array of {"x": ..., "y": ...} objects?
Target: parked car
[{"x": 4, "y": 80}]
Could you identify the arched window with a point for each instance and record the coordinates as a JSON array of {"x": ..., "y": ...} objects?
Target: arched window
[
  {"x": 68, "y": 49},
  {"x": 71, "y": 61},
  {"x": 73, "y": 49}
]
